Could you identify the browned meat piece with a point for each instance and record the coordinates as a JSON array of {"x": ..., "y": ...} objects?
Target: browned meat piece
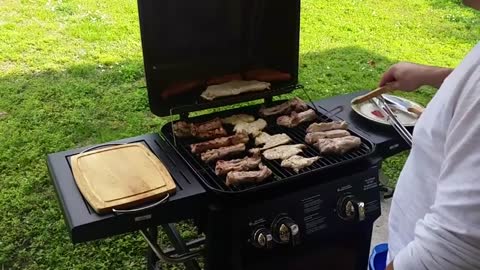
[
  {"x": 201, "y": 147},
  {"x": 222, "y": 152},
  {"x": 182, "y": 129},
  {"x": 295, "y": 118},
  {"x": 224, "y": 79},
  {"x": 235, "y": 178},
  {"x": 293, "y": 105},
  {"x": 338, "y": 146},
  {"x": 242, "y": 164},
  {"x": 206, "y": 130},
  {"x": 297, "y": 162},
  {"x": 206, "y": 126},
  {"x": 179, "y": 88},
  {"x": 320, "y": 127},
  {"x": 313, "y": 137},
  {"x": 267, "y": 75}
]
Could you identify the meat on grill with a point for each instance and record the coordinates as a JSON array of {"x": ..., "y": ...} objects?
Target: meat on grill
[
  {"x": 313, "y": 137},
  {"x": 238, "y": 118},
  {"x": 319, "y": 127},
  {"x": 293, "y": 105},
  {"x": 283, "y": 151},
  {"x": 206, "y": 130},
  {"x": 242, "y": 164},
  {"x": 267, "y": 75},
  {"x": 241, "y": 177},
  {"x": 297, "y": 162},
  {"x": 270, "y": 141},
  {"x": 338, "y": 145},
  {"x": 294, "y": 119},
  {"x": 201, "y": 147},
  {"x": 233, "y": 88},
  {"x": 253, "y": 128},
  {"x": 222, "y": 152}
]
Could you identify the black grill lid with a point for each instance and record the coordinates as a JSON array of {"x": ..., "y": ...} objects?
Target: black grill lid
[{"x": 190, "y": 42}]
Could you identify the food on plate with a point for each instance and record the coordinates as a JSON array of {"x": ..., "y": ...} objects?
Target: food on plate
[
  {"x": 224, "y": 79},
  {"x": 270, "y": 141},
  {"x": 338, "y": 145},
  {"x": 253, "y": 128},
  {"x": 206, "y": 130},
  {"x": 201, "y": 147},
  {"x": 267, "y": 75},
  {"x": 238, "y": 118},
  {"x": 297, "y": 162},
  {"x": 313, "y": 137},
  {"x": 241, "y": 164},
  {"x": 233, "y": 88},
  {"x": 241, "y": 177},
  {"x": 179, "y": 88},
  {"x": 324, "y": 126},
  {"x": 222, "y": 152},
  {"x": 293, "y": 105},
  {"x": 294, "y": 119},
  {"x": 283, "y": 151}
]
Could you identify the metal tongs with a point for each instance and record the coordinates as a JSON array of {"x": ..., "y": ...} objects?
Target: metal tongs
[{"x": 392, "y": 119}]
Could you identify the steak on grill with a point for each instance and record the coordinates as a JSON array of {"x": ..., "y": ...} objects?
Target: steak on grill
[
  {"x": 294, "y": 119},
  {"x": 295, "y": 104},
  {"x": 338, "y": 145},
  {"x": 283, "y": 151},
  {"x": 297, "y": 162},
  {"x": 240, "y": 177},
  {"x": 319, "y": 127},
  {"x": 242, "y": 164},
  {"x": 206, "y": 130},
  {"x": 313, "y": 137},
  {"x": 201, "y": 147},
  {"x": 222, "y": 152}
]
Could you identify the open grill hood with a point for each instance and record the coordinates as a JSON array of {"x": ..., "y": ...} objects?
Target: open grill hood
[{"x": 194, "y": 41}]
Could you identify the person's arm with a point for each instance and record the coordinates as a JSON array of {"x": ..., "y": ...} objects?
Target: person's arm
[
  {"x": 409, "y": 76},
  {"x": 448, "y": 237}
]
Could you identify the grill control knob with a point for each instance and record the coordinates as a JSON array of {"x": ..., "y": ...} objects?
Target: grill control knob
[
  {"x": 286, "y": 231},
  {"x": 262, "y": 238},
  {"x": 351, "y": 209}
]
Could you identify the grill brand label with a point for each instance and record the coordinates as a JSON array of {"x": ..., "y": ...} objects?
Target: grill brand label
[
  {"x": 341, "y": 189},
  {"x": 370, "y": 183},
  {"x": 142, "y": 218}
]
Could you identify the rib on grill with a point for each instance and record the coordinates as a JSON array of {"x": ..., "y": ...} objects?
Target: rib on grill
[
  {"x": 319, "y": 127},
  {"x": 294, "y": 119},
  {"x": 313, "y": 137},
  {"x": 235, "y": 178},
  {"x": 242, "y": 164},
  {"x": 338, "y": 145},
  {"x": 201, "y": 147},
  {"x": 287, "y": 107},
  {"x": 222, "y": 152}
]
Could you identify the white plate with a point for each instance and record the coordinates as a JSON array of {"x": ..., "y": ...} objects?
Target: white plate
[{"x": 369, "y": 111}]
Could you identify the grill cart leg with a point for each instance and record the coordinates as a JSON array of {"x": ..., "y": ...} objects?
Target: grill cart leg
[{"x": 179, "y": 254}]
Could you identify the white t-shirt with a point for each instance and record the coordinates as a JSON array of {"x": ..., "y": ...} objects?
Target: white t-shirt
[{"x": 434, "y": 220}]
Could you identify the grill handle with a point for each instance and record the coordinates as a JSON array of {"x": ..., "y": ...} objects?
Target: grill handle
[
  {"x": 178, "y": 258},
  {"x": 140, "y": 209}
]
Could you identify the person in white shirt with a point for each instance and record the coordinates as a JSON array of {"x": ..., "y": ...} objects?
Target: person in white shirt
[{"x": 434, "y": 220}]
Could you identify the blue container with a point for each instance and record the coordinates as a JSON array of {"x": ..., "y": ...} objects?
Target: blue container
[{"x": 378, "y": 258}]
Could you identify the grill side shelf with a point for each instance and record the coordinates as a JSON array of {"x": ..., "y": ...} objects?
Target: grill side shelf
[{"x": 84, "y": 224}]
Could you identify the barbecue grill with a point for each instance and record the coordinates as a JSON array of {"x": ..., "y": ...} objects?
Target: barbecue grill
[{"x": 320, "y": 217}]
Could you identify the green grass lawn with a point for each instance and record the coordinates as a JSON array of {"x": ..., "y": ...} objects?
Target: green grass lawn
[{"x": 71, "y": 75}]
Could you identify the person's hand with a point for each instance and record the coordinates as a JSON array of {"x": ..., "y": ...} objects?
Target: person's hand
[
  {"x": 409, "y": 76},
  {"x": 404, "y": 76}
]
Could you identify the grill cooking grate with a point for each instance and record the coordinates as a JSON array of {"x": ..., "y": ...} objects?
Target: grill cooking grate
[{"x": 297, "y": 134}]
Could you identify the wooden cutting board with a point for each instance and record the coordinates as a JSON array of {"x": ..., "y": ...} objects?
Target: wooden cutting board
[{"x": 121, "y": 177}]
